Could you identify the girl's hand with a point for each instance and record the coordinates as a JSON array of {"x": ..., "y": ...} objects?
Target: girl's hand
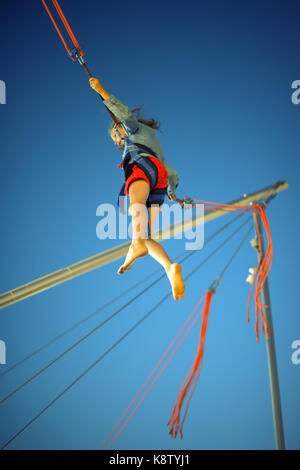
[{"x": 96, "y": 85}]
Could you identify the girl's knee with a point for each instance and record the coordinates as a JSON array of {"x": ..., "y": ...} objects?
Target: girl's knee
[{"x": 137, "y": 208}]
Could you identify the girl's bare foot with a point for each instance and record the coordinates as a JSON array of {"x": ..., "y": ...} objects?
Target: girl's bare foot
[
  {"x": 136, "y": 250},
  {"x": 175, "y": 278}
]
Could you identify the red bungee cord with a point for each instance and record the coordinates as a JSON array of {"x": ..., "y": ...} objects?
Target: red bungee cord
[
  {"x": 264, "y": 265},
  {"x": 77, "y": 49},
  {"x": 163, "y": 362},
  {"x": 76, "y": 52},
  {"x": 192, "y": 376}
]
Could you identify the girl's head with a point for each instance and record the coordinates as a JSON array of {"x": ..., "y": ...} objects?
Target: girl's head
[{"x": 117, "y": 133}]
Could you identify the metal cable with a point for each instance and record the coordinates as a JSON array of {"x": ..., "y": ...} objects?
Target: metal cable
[
  {"x": 107, "y": 304},
  {"x": 118, "y": 341}
]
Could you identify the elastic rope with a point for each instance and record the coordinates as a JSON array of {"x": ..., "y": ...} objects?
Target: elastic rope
[
  {"x": 261, "y": 272},
  {"x": 264, "y": 264},
  {"x": 190, "y": 379},
  {"x": 66, "y": 24},
  {"x": 56, "y": 27}
]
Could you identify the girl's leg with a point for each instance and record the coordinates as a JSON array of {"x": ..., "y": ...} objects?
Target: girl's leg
[
  {"x": 173, "y": 270},
  {"x": 155, "y": 249},
  {"x": 138, "y": 195}
]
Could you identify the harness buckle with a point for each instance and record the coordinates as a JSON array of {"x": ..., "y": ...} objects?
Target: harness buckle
[
  {"x": 76, "y": 54},
  {"x": 187, "y": 202}
]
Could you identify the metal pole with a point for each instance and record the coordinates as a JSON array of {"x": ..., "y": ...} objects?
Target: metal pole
[{"x": 271, "y": 355}]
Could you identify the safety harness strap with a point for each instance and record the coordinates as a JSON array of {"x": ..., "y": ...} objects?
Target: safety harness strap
[{"x": 133, "y": 154}]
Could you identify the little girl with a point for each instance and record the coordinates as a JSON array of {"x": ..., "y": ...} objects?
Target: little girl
[{"x": 148, "y": 178}]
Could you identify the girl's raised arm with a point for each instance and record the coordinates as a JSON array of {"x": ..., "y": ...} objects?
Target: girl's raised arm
[{"x": 117, "y": 108}]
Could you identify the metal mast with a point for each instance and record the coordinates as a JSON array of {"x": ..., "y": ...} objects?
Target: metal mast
[{"x": 271, "y": 353}]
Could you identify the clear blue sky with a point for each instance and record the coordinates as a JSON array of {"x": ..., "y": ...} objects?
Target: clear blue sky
[{"x": 218, "y": 75}]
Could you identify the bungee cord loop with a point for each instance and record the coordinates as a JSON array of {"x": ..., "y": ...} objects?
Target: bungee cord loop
[
  {"x": 264, "y": 263},
  {"x": 192, "y": 377}
]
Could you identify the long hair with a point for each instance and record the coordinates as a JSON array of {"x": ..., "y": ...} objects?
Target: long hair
[{"x": 151, "y": 122}]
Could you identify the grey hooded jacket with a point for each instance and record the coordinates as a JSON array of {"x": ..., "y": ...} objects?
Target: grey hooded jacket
[{"x": 142, "y": 134}]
